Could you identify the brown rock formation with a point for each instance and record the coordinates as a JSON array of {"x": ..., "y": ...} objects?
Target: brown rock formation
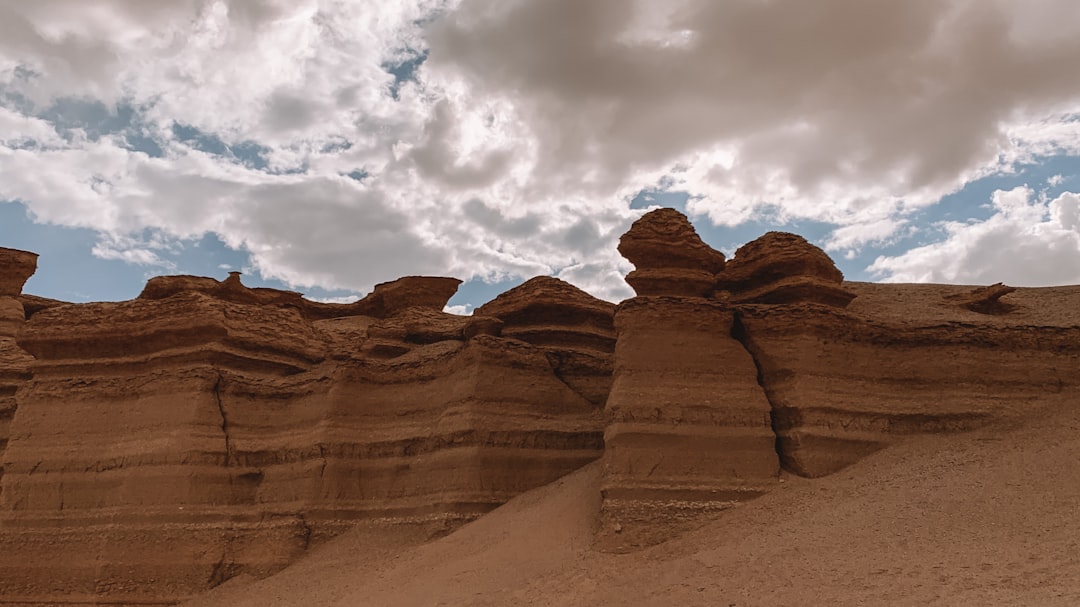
[
  {"x": 984, "y": 300},
  {"x": 16, "y": 267},
  {"x": 575, "y": 329},
  {"x": 387, "y": 299},
  {"x": 783, "y": 268},
  {"x": 207, "y": 430},
  {"x": 32, "y": 304},
  {"x": 670, "y": 257},
  {"x": 689, "y": 429},
  {"x": 903, "y": 360},
  {"x": 157, "y": 447}
]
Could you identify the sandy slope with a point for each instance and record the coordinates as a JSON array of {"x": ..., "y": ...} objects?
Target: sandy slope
[{"x": 985, "y": 518}]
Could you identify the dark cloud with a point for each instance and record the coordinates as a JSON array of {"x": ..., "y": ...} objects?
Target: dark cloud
[{"x": 906, "y": 95}]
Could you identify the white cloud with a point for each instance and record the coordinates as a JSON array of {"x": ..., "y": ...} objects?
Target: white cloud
[
  {"x": 462, "y": 310},
  {"x": 848, "y": 113},
  {"x": 1028, "y": 241},
  {"x": 134, "y": 250},
  {"x": 515, "y": 148}
]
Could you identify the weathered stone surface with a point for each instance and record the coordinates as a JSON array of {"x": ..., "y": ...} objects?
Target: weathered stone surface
[
  {"x": 12, "y": 316},
  {"x": 16, "y": 267},
  {"x": 985, "y": 300},
  {"x": 670, "y": 257},
  {"x": 14, "y": 372},
  {"x": 575, "y": 329},
  {"x": 782, "y": 268},
  {"x": 33, "y": 304},
  {"x": 389, "y": 298},
  {"x": 157, "y": 447},
  {"x": 690, "y": 428},
  {"x": 166, "y": 444},
  {"x": 903, "y": 360},
  {"x": 428, "y": 292}
]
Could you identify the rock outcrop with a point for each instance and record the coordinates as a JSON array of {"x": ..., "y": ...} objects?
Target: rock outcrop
[
  {"x": 781, "y": 268},
  {"x": 903, "y": 360},
  {"x": 689, "y": 427},
  {"x": 669, "y": 256},
  {"x": 16, "y": 267},
  {"x": 984, "y": 300},
  {"x": 157, "y": 447},
  {"x": 787, "y": 364},
  {"x": 575, "y": 329},
  {"x": 204, "y": 430},
  {"x": 386, "y": 299}
]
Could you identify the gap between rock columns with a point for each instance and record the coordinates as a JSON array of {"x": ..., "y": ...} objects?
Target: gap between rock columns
[{"x": 740, "y": 334}]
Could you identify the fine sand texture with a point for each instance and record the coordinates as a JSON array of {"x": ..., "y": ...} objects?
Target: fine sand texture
[{"x": 990, "y": 517}]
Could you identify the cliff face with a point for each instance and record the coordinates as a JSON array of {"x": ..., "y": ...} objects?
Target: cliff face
[
  {"x": 906, "y": 359},
  {"x": 574, "y": 329},
  {"x": 166, "y": 444},
  {"x": 689, "y": 427},
  {"x": 778, "y": 363},
  {"x": 154, "y": 448},
  {"x": 16, "y": 267}
]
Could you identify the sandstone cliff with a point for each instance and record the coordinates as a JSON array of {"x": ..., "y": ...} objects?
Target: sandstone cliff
[
  {"x": 16, "y": 267},
  {"x": 575, "y": 329},
  {"x": 166, "y": 444},
  {"x": 689, "y": 427},
  {"x": 905, "y": 359},
  {"x": 783, "y": 364},
  {"x": 155, "y": 448}
]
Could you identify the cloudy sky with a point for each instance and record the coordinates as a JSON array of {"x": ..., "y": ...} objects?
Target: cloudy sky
[{"x": 328, "y": 145}]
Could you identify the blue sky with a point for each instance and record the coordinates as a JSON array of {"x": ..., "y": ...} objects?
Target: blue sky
[{"x": 328, "y": 146}]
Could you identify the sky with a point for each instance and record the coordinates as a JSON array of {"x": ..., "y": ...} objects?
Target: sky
[{"x": 326, "y": 146}]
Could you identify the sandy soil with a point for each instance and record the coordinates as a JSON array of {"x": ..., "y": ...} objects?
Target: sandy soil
[{"x": 991, "y": 517}]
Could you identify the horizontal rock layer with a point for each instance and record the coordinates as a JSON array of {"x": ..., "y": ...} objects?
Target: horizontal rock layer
[
  {"x": 575, "y": 329},
  {"x": 904, "y": 360},
  {"x": 165, "y": 444},
  {"x": 158, "y": 447},
  {"x": 782, "y": 268},
  {"x": 690, "y": 428}
]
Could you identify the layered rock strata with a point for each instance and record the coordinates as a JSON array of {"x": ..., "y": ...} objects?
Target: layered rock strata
[
  {"x": 157, "y": 447},
  {"x": 16, "y": 267},
  {"x": 780, "y": 268},
  {"x": 165, "y": 444},
  {"x": 839, "y": 370},
  {"x": 386, "y": 299},
  {"x": 903, "y": 360},
  {"x": 689, "y": 427},
  {"x": 575, "y": 329},
  {"x": 669, "y": 256}
]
